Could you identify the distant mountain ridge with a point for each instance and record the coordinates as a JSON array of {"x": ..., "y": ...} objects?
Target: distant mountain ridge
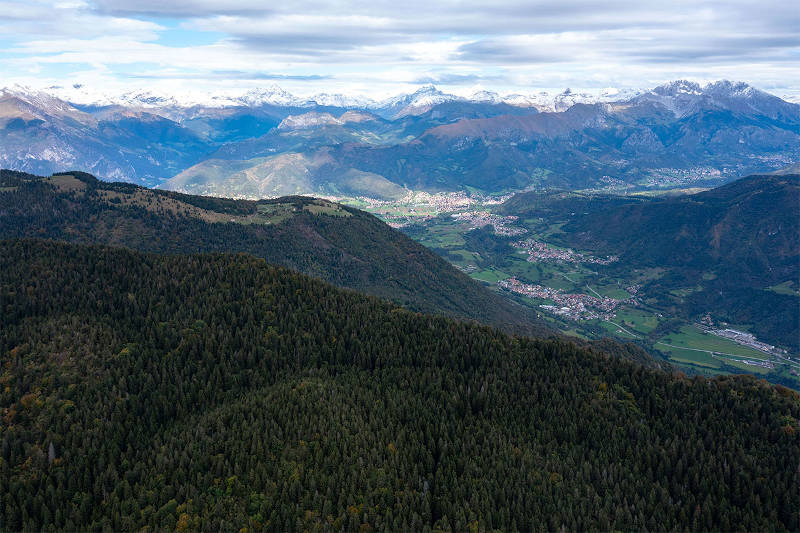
[
  {"x": 415, "y": 102},
  {"x": 230, "y": 145}
]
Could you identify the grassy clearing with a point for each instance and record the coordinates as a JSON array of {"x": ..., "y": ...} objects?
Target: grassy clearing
[
  {"x": 66, "y": 183},
  {"x": 530, "y": 272},
  {"x": 637, "y": 320},
  {"x": 575, "y": 333},
  {"x": 647, "y": 274},
  {"x": 692, "y": 337},
  {"x": 689, "y": 357},
  {"x": 611, "y": 291},
  {"x": 466, "y": 257},
  {"x": 787, "y": 287},
  {"x": 489, "y": 276},
  {"x": 443, "y": 236},
  {"x": 615, "y": 331},
  {"x": 321, "y": 207}
]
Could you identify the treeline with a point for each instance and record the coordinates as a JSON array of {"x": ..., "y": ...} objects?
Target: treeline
[{"x": 215, "y": 392}]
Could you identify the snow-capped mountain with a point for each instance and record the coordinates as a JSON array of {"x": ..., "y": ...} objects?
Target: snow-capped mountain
[
  {"x": 42, "y": 105},
  {"x": 308, "y": 120},
  {"x": 415, "y": 103},
  {"x": 681, "y": 97},
  {"x": 556, "y": 102},
  {"x": 341, "y": 100},
  {"x": 684, "y": 98},
  {"x": 272, "y": 95},
  {"x": 314, "y": 119}
]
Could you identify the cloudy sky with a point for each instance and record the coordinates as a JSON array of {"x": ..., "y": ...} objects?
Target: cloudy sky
[{"x": 380, "y": 47}]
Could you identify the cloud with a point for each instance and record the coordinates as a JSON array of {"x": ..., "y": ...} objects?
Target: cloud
[
  {"x": 230, "y": 75},
  {"x": 452, "y": 78},
  {"x": 387, "y": 45}
]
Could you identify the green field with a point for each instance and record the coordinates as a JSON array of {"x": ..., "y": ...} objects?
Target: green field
[
  {"x": 489, "y": 276},
  {"x": 687, "y": 342},
  {"x": 321, "y": 207},
  {"x": 637, "y": 320},
  {"x": 614, "y": 330}
]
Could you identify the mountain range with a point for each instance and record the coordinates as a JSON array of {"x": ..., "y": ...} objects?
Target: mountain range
[
  {"x": 403, "y": 104},
  {"x": 267, "y": 143}
]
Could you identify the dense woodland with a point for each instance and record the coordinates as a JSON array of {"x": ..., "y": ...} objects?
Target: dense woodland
[
  {"x": 357, "y": 251},
  {"x": 216, "y": 392}
]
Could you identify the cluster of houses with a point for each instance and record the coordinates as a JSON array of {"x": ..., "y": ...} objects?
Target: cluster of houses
[
  {"x": 572, "y": 306},
  {"x": 539, "y": 251}
]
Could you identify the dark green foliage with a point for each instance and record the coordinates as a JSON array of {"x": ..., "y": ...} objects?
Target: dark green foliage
[
  {"x": 493, "y": 249},
  {"x": 215, "y": 392},
  {"x": 358, "y": 251},
  {"x": 746, "y": 231}
]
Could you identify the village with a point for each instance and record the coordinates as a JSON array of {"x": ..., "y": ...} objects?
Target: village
[
  {"x": 572, "y": 306},
  {"x": 541, "y": 251},
  {"x": 502, "y": 224}
]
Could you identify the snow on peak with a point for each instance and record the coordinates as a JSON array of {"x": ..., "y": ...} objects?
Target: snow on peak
[
  {"x": 341, "y": 100},
  {"x": 148, "y": 99},
  {"x": 678, "y": 87},
  {"x": 486, "y": 96},
  {"x": 314, "y": 119},
  {"x": 683, "y": 98},
  {"x": 272, "y": 95}
]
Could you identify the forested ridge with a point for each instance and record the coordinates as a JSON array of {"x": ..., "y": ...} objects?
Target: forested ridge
[
  {"x": 345, "y": 246},
  {"x": 217, "y": 392}
]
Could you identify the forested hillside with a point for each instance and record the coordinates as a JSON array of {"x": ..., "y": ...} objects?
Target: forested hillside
[
  {"x": 726, "y": 248},
  {"x": 344, "y": 246},
  {"x": 216, "y": 392}
]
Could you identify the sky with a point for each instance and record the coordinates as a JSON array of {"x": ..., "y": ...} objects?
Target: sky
[{"x": 379, "y": 47}]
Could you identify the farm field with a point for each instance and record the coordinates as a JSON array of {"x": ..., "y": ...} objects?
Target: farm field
[{"x": 693, "y": 346}]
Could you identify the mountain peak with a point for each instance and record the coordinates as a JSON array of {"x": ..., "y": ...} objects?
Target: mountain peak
[
  {"x": 428, "y": 88},
  {"x": 273, "y": 94},
  {"x": 678, "y": 87},
  {"x": 731, "y": 88}
]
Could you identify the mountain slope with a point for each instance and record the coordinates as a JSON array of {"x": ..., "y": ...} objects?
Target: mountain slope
[
  {"x": 675, "y": 134},
  {"x": 40, "y": 133},
  {"x": 725, "y": 247},
  {"x": 345, "y": 246},
  {"x": 746, "y": 231},
  {"x": 214, "y": 392}
]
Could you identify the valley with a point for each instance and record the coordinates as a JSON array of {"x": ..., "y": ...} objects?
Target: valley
[{"x": 586, "y": 293}]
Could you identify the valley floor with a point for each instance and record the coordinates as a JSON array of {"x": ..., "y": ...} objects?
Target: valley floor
[{"x": 575, "y": 291}]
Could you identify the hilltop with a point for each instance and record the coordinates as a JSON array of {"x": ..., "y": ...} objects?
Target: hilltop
[{"x": 339, "y": 244}]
